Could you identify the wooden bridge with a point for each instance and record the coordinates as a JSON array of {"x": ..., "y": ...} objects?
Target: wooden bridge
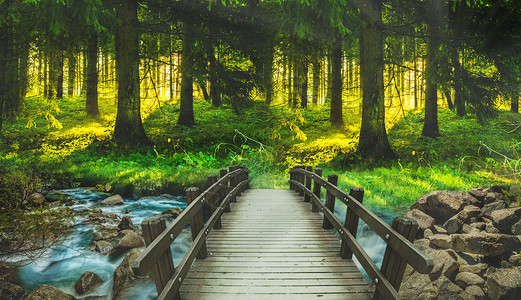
[{"x": 273, "y": 244}]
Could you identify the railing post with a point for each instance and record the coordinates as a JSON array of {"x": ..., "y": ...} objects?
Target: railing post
[
  {"x": 301, "y": 178},
  {"x": 246, "y": 177},
  {"x": 308, "y": 182},
  {"x": 213, "y": 199},
  {"x": 291, "y": 177},
  {"x": 393, "y": 265},
  {"x": 351, "y": 222},
  {"x": 330, "y": 200},
  {"x": 224, "y": 188},
  {"x": 316, "y": 189},
  {"x": 233, "y": 181},
  {"x": 164, "y": 267},
  {"x": 196, "y": 223}
]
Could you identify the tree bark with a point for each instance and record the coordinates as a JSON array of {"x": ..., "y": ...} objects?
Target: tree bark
[
  {"x": 59, "y": 79},
  {"x": 303, "y": 82},
  {"x": 128, "y": 130},
  {"x": 215, "y": 92},
  {"x": 430, "y": 124},
  {"x": 3, "y": 70},
  {"x": 335, "y": 115},
  {"x": 373, "y": 142},
  {"x": 459, "y": 100},
  {"x": 186, "y": 114},
  {"x": 316, "y": 77},
  {"x": 91, "y": 103},
  {"x": 72, "y": 74}
]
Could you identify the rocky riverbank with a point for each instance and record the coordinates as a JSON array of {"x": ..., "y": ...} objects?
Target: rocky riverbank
[{"x": 474, "y": 239}]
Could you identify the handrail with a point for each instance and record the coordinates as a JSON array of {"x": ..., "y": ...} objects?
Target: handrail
[
  {"x": 161, "y": 244},
  {"x": 405, "y": 249}
]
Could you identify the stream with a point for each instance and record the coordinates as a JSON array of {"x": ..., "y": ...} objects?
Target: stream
[{"x": 62, "y": 265}]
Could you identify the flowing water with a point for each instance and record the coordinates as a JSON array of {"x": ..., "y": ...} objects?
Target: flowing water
[{"x": 63, "y": 265}]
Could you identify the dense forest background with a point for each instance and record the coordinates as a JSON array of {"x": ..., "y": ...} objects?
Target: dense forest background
[{"x": 138, "y": 97}]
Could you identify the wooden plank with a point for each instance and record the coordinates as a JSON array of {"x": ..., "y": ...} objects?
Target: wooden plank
[
  {"x": 275, "y": 276},
  {"x": 277, "y": 282},
  {"x": 275, "y": 290},
  {"x": 232, "y": 296}
]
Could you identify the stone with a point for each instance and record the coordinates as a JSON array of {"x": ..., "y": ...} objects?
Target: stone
[
  {"x": 126, "y": 223},
  {"x": 49, "y": 292},
  {"x": 493, "y": 249},
  {"x": 36, "y": 199},
  {"x": 473, "y": 292},
  {"x": 478, "y": 269},
  {"x": 417, "y": 286},
  {"x": 442, "y": 205},
  {"x": 439, "y": 229},
  {"x": 469, "y": 212},
  {"x": 103, "y": 247},
  {"x": 96, "y": 236},
  {"x": 489, "y": 208},
  {"x": 479, "y": 225},
  {"x": 444, "y": 265},
  {"x": 489, "y": 228},
  {"x": 113, "y": 200},
  {"x": 504, "y": 283},
  {"x": 485, "y": 244},
  {"x": 124, "y": 272},
  {"x": 9, "y": 291},
  {"x": 427, "y": 233},
  {"x": 424, "y": 220},
  {"x": 96, "y": 210},
  {"x": 127, "y": 242},
  {"x": 55, "y": 204},
  {"x": 469, "y": 229},
  {"x": 87, "y": 282},
  {"x": 453, "y": 224},
  {"x": 465, "y": 279},
  {"x": 478, "y": 193},
  {"x": 504, "y": 219},
  {"x": 172, "y": 212},
  {"x": 441, "y": 240},
  {"x": 515, "y": 260},
  {"x": 516, "y": 228},
  {"x": 490, "y": 197},
  {"x": 125, "y": 232},
  {"x": 447, "y": 290}
]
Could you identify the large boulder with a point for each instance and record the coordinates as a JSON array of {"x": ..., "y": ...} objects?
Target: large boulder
[
  {"x": 516, "y": 228},
  {"x": 443, "y": 241},
  {"x": 172, "y": 212},
  {"x": 126, "y": 223},
  {"x": 442, "y": 205},
  {"x": 504, "y": 283},
  {"x": 127, "y": 242},
  {"x": 124, "y": 272},
  {"x": 453, "y": 224},
  {"x": 493, "y": 206},
  {"x": 473, "y": 292},
  {"x": 417, "y": 286},
  {"x": 465, "y": 279},
  {"x": 49, "y": 292},
  {"x": 102, "y": 247},
  {"x": 424, "y": 220},
  {"x": 9, "y": 291},
  {"x": 447, "y": 290},
  {"x": 113, "y": 200},
  {"x": 87, "y": 282},
  {"x": 485, "y": 244},
  {"x": 504, "y": 219}
]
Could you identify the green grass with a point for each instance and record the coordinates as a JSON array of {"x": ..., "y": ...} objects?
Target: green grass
[{"x": 62, "y": 140}]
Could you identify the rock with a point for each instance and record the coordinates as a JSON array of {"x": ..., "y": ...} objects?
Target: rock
[
  {"x": 113, "y": 200},
  {"x": 126, "y": 223},
  {"x": 424, "y": 220},
  {"x": 515, "y": 260},
  {"x": 127, "y": 242},
  {"x": 469, "y": 229},
  {"x": 489, "y": 228},
  {"x": 9, "y": 291},
  {"x": 489, "y": 208},
  {"x": 417, "y": 286},
  {"x": 485, "y": 244},
  {"x": 478, "y": 269},
  {"x": 87, "y": 282},
  {"x": 473, "y": 292},
  {"x": 504, "y": 219},
  {"x": 36, "y": 199},
  {"x": 427, "y": 233},
  {"x": 441, "y": 240},
  {"x": 478, "y": 193},
  {"x": 108, "y": 232},
  {"x": 442, "y": 205},
  {"x": 469, "y": 212},
  {"x": 453, "y": 224},
  {"x": 172, "y": 212},
  {"x": 447, "y": 290},
  {"x": 504, "y": 283},
  {"x": 96, "y": 236},
  {"x": 444, "y": 265},
  {"x": 49, "y": 292},
  {"x": 55, "y": 204},
  {"x": 479, "y": 225},
  {"x": 489, "y": 198},
  {"x": 439, "y": 229},
  {"x": 102, "y": 247},
  {"x": 124, "y": 232},
  {"x": 123, "y": 272},
  {"x": 96, "y": 210},
  {"x": 465, "y": 279}
]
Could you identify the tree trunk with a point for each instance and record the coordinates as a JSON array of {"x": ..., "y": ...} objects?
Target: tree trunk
[
  {"x": 3, "y": 70},
  {"x": 335, "y": 115},
  {"x": 186, "y": 114},
  {"x": 514, "y": 104},
  {"x": 215, "y": 91},
  {"x": 45, "y": 73},
  {"x": 72, "y": 74},
  {"x": 206, "y": 97},
  {"x": 59, "y": 79},
  {"x": 329, "y": 76},
  {"x": 303, "y": 82},
  {"x": 128, "y": 130},
  {"x": 91, "y": 103},
  {"x": 23, "y": 73},
  {"x": 430, "y": 124},
  {"x": 84, "y": 73},
  {"x": 316, "y": 77},
  {"x": 459, "y": 101},
  {"x": 53, "y": 74},
  {"x": 268, "y": 75},
  {"x": 449, "y": 98},
  {"x": 373, "y": 142}
]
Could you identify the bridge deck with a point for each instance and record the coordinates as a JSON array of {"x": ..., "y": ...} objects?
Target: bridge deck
[{"x": 272, "y": 246}]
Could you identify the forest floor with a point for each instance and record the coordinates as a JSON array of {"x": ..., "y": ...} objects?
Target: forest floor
[{"x": 56, "y": 140}]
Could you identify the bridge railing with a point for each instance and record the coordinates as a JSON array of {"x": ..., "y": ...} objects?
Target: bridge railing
[
  {"x": 157, "y": 257},
  {"x": 399, "y": 252}
]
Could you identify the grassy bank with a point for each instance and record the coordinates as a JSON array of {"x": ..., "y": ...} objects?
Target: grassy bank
[{"x": 59, "y": 139}]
